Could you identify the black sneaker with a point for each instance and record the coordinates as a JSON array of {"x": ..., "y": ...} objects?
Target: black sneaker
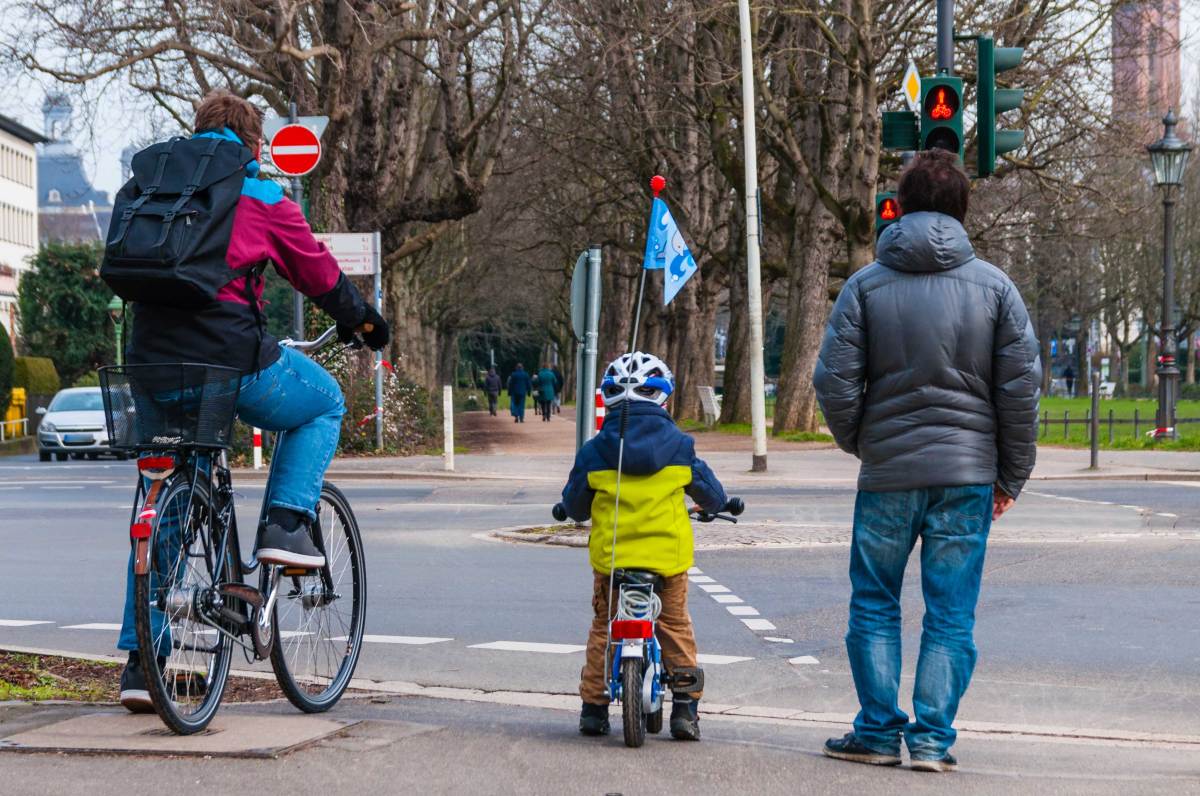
[
  {"x": 135, "y": 696},
  {"x": 593, "y": 719},
  {"x": 685, "y": 718},
  {"x": 946, "y": 762},
  {"x": 287, "y": 540},
  {"x": 850, "y": 748}
]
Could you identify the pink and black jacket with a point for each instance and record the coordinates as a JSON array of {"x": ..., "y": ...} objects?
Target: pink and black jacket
[{"x": 267, "y": 228}]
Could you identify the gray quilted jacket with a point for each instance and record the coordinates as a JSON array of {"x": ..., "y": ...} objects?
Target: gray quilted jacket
[{"x": 929, "y": 371}]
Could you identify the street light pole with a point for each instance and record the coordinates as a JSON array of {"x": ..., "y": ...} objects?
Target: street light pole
[{"x": 758, "y": 398}]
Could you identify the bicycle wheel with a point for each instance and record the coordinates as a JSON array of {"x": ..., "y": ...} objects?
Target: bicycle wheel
[
  {"x": 631, "y": 703},
  {"x": 185, "y": 660},
  {"x": 319, "y": 617}
]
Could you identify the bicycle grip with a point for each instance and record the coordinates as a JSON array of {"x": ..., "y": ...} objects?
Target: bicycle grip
[
  {"x": 735, "y": 506},
  {"x": 560, "y": 512}
]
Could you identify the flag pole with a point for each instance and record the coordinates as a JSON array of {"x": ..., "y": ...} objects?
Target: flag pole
[{"x": 758, "y": 398}]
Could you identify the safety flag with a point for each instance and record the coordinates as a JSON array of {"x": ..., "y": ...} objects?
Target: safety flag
[{"x": 666, "y": 250}]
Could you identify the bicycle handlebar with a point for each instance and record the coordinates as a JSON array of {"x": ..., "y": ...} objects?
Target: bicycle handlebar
[
  {"x": 734, "y": 506},
  {"x": 327, "y": 336}
]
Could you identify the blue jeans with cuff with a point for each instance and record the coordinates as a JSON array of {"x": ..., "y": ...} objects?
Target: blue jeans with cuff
[
  {"x": 952, "y": 524},
  {"x": 295, "y": 395}
]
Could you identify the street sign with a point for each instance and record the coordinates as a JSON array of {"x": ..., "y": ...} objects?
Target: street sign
[
  {"x": 910, "y": 86},
  {"x": 295, "y": 150},
  {"x": 274, "y": 124},
  {"x": 354, "y": 251},
  {"x": 579, "y": 296}
]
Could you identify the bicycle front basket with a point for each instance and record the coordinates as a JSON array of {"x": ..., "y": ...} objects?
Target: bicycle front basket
[{"x": 170, "y": 406}]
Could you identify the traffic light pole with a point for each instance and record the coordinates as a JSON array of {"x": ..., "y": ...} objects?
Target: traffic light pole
[
  {"x": 298, "y": 198},
  {"x": 1168, "y": 371},
  {"x": 945, "y": 37}
]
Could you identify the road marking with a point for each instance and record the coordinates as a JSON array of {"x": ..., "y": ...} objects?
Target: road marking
[
  {"x": 694, "y": 571},
  {"x": 293, "y": 633},
  {"x": 742, "y": 610},
  {"x": 1166, "y": 514},
  {"x": 49, "y": 488},
  {"x": 23, "y": 622},
  {"x": 758, "y": 624},
  {"x": 726, "y": 598},
  {"x": 416, "y": 640},
  {"x": 720, "y": 660},
  {"x": 93, "y": 626},
  {"x": 714, "y": 588},
  {"x": 529, "y": 646},
  {"x": 778, "y": 640},
  {"x": 73, "y": 482},
  {"x": 803, "y": 660},
  {"x": 700, "y": 579}
]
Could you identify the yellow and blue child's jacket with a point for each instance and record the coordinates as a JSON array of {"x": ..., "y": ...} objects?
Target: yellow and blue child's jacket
[{"x": 654, "y": 532}]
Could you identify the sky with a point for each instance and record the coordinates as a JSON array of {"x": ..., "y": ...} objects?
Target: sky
[{"x": 114, "y": 121}]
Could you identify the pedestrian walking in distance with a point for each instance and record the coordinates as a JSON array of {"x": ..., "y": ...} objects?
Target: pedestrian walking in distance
[
  {"x": 929, "y": 374},
  {"x": 519, "y": 387},
  {"x": 545, "y": 391},
  {"x": 491, "y": 385}
]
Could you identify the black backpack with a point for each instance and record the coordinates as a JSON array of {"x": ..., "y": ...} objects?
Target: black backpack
[{"x": 172, "y": 222}]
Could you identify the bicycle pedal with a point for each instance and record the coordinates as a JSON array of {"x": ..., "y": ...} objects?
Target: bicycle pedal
[
  {"x": 247, "y": 594},
  {"x": 298, "y": 572},
  {"x": 686, "y": 680}
]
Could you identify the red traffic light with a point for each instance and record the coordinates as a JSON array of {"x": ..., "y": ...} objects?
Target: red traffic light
[
  {"x": 941, "y": 104},
  {"x": 889, "y": 209}
]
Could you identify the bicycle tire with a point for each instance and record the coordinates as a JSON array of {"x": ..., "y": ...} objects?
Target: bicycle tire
[
  {"x": 304, "y": 605},
  {"x": 163, "y": 682},
  {"x": 654, "y": 722},
  {"x": 632, "y": 715}
]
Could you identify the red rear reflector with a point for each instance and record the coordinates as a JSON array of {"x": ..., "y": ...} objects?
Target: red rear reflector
[
  {"x": 156, "y": 463},
  {"x": 139, "y": 530},
  {"x": 631, "y": 628}
]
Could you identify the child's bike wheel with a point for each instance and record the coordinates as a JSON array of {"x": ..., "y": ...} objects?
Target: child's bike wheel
[
  {"x": 631, "y": 703},
  {"x": 654, "y": 722},
  {"x": 319, "y": 622}
]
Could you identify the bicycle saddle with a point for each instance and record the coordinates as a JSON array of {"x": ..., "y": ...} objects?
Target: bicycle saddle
[{"x": 637, "y": 577}]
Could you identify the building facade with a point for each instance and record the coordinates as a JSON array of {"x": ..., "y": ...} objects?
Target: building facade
[
  {"x": 1146, "y": 64},
  {"x": 18, "y": 212},
  {"x": 70, "y": 209}
]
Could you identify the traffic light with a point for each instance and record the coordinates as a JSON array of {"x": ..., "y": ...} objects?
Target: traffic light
[
  {"x": 990, "y": 101},
  {"x": 941, "y": 113},
  {"x": 887, "y": 211}
]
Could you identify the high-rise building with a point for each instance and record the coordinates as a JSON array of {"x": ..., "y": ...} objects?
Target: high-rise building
[{"x": 1146, "y": 70}]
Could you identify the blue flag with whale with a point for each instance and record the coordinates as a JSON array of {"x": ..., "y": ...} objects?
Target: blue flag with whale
[{"x": 667, "y": 251}]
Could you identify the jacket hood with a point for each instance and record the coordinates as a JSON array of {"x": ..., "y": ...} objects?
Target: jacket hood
[
  {"x": 924, "y": 242},
  {"x": 253, "y": 167},
  {"x": 651, "y": 439}
]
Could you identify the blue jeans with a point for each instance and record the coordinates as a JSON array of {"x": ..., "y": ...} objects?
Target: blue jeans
[
  {"x": 953, "y": 524},
  {"x": 295, "y": 395},
  {"x": 516, "y": 405}
]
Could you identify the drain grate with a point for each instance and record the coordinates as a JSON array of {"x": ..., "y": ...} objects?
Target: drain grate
[{"x": 167, "y": 732}]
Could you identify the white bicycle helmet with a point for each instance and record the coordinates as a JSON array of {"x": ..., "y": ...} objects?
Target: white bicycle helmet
[{"x": 638, "y": 377}]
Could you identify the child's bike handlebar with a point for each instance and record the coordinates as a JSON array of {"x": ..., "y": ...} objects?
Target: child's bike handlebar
[{"x": 734, "y": 506}]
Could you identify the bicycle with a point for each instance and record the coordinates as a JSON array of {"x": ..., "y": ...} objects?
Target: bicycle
[
  {"x": 633, "y": 645},
  {"x": 194, "y": 602}
]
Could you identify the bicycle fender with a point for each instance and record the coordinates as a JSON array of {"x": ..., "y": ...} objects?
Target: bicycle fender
[
  {"x": 140, "y": 531},
  {"x": 632, "y": 648}
]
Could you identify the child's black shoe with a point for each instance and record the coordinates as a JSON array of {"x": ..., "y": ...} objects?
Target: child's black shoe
[
  {"x": 593, "y": 719},
  {"x": 685, "y": 718}
]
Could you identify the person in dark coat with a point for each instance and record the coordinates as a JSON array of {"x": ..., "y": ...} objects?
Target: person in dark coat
[
  {"x": 558, "y": 388},
  {"x": 1069, "y": 378},
  {"x": 929, "y": 373},
  {"x": 519, "y": 387},
  {"x": 545, "y": 391},
  {"x": 491, "y": 385}
]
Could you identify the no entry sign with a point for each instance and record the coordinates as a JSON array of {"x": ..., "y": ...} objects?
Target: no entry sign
[{"x": 295, "y": 150}]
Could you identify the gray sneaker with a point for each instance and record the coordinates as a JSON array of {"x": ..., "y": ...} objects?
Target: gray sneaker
[
  {"x": 946, "y": 762},
  {"x": 278, "y": 545}
]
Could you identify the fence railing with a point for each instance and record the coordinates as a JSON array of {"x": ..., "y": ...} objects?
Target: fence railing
[
  {"x": 8, "y": 428},
  {"x": 1050, "y": 426}
]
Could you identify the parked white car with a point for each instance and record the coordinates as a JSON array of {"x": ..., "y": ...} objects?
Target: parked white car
[{"x": 74, "y": 426}]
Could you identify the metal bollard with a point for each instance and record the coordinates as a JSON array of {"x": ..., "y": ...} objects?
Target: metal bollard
[{"x": 1094, "y": 426}]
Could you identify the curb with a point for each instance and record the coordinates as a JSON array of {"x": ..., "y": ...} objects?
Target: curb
[{"x": 398, "y": 475}]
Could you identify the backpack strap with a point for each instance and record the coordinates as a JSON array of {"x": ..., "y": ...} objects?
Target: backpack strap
[
  {"x": 147, "y": 192},
  {"x": 253, "y": 274},
  {"x": 188, "y": 191}
]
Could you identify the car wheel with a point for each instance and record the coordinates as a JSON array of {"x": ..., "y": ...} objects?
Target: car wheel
[
  {"x": 92, "y": 457},
  {"x": 43, "y": 456},
  {"x": 76, "y": 456},
  {"x": 60, "y": 457},
  {"x": 122, "y": 457}
]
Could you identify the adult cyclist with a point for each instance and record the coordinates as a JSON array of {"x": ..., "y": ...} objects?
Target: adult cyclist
[{"x": 281, "y": 389}]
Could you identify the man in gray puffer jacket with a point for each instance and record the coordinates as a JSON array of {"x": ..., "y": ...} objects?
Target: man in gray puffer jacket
[{"x": 929, "y": 373}]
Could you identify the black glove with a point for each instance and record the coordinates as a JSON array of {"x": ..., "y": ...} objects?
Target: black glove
[{"x": 377, "y": 336}]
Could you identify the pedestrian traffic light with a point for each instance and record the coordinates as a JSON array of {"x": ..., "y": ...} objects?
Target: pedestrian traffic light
[
  {"x": 990, "y": 101},
  {"x": 941, "y": 113},
  {"x": 887, "y": 211}
]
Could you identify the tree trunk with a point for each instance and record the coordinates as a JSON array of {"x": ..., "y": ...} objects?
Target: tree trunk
[
  {"x": 692, "y": 332},
  {"x": 413, "y": 348},
  {"x": 735, "y": 395},
  {"x": 1190, "y": 377},
  {"x": 1082, "y": 384},
  {"x": 808, "y": 309}
]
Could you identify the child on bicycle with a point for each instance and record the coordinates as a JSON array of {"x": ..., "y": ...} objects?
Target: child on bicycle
[{"x": 654, "y": 532}]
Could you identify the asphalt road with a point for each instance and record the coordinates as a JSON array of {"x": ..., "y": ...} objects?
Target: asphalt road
[{"x": 1076, "y": 629}]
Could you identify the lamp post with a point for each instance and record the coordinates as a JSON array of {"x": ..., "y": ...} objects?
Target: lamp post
[
  {"x": 1169, "y": 156},
  {"x": 116, "y": 311}
]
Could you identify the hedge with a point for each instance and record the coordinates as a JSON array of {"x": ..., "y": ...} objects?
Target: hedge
[
  {"x": 37, "y": 375},
  {"x": 6, "y": 371}
]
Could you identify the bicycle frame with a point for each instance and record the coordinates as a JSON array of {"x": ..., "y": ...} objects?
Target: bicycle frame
[{"x": 636, "y": 638}]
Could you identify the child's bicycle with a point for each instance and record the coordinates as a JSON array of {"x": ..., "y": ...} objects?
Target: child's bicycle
[
  {"x": 193, "y": 601},
  {"x": 637, "y": 678}
]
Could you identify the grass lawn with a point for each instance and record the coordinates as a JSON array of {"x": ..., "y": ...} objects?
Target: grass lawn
[{"x": 1122, "y": 433}]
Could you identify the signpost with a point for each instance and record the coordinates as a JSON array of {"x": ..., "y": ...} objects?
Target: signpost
[
  {"x": 361, "y": 254},
  {"x": 585, "y": 323}
]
